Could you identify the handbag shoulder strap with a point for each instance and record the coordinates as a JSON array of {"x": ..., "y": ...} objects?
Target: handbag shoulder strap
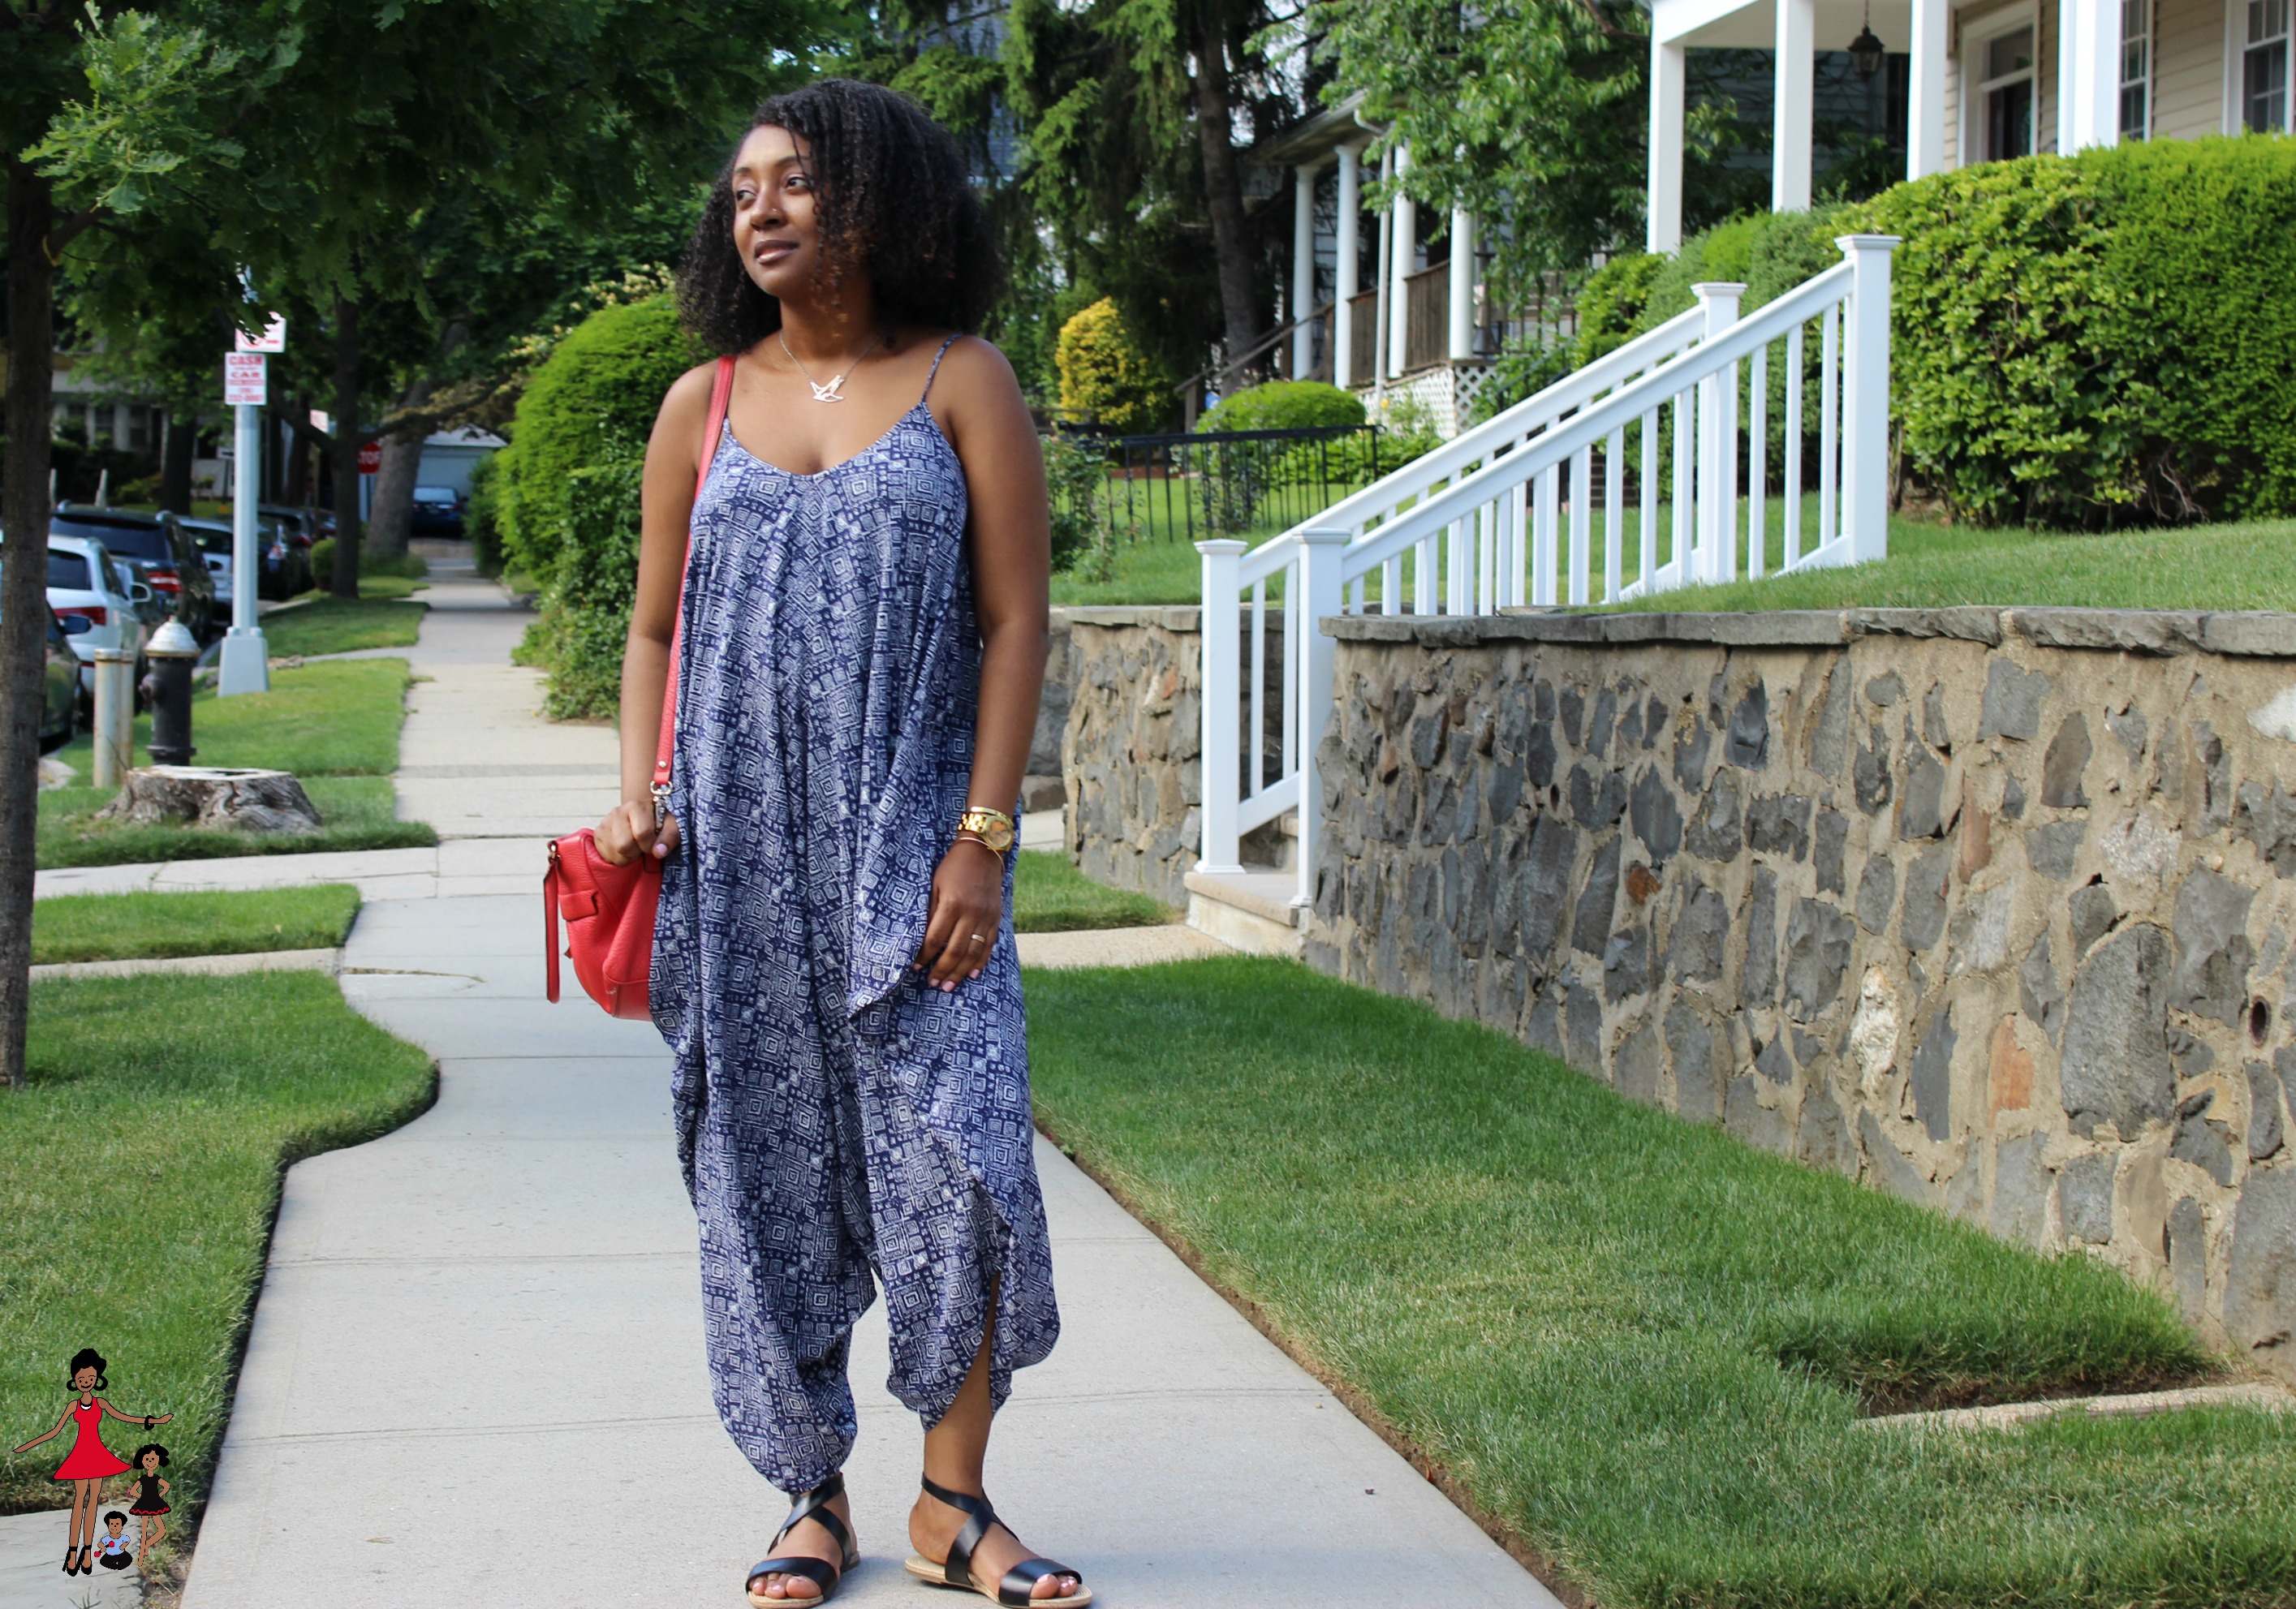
[{"x": 721, "y": 393}]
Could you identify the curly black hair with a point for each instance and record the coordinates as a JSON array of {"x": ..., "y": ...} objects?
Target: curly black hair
[
  {"x": 87, "y": 1356},
  {"x": 894, "y": 204},
  {"x": 137, "y": 1461}
]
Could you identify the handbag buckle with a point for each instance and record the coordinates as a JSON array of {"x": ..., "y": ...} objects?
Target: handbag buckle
[{"x": 661, "y": 804}]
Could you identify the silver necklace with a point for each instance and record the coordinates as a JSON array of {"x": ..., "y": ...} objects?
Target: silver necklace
[{"x": 827, "y": 392}]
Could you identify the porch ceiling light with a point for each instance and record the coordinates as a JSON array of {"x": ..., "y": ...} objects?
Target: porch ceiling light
[{"x": 1865, "y": 51}]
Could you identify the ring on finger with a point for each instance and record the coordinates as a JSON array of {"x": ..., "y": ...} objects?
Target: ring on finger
[{"x": 978, "y": 940}]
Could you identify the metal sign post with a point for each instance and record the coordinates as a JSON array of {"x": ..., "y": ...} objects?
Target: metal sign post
[{"x": 246, "y": 664}]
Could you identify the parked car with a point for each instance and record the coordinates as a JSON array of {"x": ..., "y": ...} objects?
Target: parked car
[
  {"x": 279, "y": 573},
  {"x": 163, "y": 556},
  {"x": 87, "y": 585},
  {"x": 438, "y": 512},
  {"x": 60, "y": 708},
  {"x": 213, "y": 538},
  {"x": 296, "y": 530}
]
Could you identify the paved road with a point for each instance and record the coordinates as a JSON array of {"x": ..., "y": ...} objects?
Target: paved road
[{"x": 476, "y": 1372}]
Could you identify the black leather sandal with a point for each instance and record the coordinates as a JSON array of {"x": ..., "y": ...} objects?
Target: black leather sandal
[
  {"x": 810, "y": 1505},
  {"x": 1019, "y": 1582}
]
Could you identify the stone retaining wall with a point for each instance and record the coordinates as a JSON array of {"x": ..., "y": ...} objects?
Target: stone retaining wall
[
  {"x": 1131, "y": 750},
  {"x": 1130, "y": 754},
  {"x": 1990, "y": 909}
]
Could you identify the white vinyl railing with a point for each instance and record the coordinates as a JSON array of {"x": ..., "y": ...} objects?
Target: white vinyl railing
[{"x": 1482, "y": 522}]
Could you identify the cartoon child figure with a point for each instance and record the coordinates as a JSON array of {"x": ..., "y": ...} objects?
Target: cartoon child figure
[
  {"x": 151, "y": 1495},
  {"x": 112, "y": 1549},
  {"x": 90, "y": 1463}
]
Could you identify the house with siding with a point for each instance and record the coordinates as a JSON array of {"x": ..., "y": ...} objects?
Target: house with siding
[
  {"x": 1393, "y": 305},
  {"x": 1986, "y": 80}
]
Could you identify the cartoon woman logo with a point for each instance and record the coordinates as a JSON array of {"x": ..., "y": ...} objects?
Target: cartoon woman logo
[
  {"x": 151, "y": 1496},
  {"x": 89, "y": 1463}
]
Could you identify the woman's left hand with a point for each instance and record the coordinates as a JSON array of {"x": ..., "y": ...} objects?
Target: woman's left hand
[{"x": 968, "y": 904}]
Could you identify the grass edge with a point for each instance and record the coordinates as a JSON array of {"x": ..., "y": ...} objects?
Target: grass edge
[{"x": 1542, "y": 1566}]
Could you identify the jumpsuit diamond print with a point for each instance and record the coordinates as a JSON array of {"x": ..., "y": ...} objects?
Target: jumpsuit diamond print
[{"x": 836, "y": 1115}]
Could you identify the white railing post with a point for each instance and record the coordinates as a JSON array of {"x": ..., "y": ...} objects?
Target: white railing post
[
  {"x": 1865, "y": 400},
  {"x": 1319, "y": 588},
  {"x": 1219, "y": 849},
  {"x": 1711, "y": 522}
]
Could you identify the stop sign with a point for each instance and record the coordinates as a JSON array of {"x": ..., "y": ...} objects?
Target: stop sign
[{"x": 369, "y": 458}]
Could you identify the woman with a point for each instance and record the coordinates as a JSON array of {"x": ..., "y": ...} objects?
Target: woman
[
  {"x": 863, "y": 638},
  {"x": 89, "y": 1463}
]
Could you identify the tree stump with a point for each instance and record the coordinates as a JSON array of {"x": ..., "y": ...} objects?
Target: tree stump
[{"x": 213, "y": 795}]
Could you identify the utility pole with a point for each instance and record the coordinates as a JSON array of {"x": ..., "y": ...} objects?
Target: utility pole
[{"x": 246, "y": 666}]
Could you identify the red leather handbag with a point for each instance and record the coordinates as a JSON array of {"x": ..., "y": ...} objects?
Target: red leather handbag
[{"x": 609, "y": 910}]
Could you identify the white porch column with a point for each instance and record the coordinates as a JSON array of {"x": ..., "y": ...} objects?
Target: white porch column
[
  {"x": 1406, "y": 246},
  {"x": 1463, "y": 283},
  {"x": 1303, "y": 268},
  {"x": 1664, "y": 231},
  {"x": 1344, "y": 288},
  {"x": 2088, "y": 74},
  {"x": 1925, "y": 92},
  {"x": 1796, "y": 102}
]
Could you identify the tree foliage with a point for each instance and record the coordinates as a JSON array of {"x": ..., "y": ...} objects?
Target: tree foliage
[{"x": 1534, "y": 115}]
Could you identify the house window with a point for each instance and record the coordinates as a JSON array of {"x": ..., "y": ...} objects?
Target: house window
[
  {"x": 2006, "y": 93},
  {"x": 2264, "y": 68},
  {"x": 2137, "y": 68}
]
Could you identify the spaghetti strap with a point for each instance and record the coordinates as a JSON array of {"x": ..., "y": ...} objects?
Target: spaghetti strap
[{"x": 945, "y": 346}]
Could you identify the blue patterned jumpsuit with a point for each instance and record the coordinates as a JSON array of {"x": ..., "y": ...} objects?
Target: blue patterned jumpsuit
[{"x": 836, "y": 1114}]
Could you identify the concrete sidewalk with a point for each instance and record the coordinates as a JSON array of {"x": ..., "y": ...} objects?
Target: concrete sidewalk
[{"x": 476, "y": 1372}]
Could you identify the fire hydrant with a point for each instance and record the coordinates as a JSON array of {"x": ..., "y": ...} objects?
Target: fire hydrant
[{"x": 173, "y": 652}]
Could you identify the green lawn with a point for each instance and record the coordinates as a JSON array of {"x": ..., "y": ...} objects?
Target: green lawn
[
  {"x": 139, "y": 1174},
  {"x": 336, "y": 625},
  {"x": 1051, "y": 895},
  {"x": 2242, "y": 564},
  {"x": 1638, "y": 1343},
  {"x": 2245, "y": 565},
  {"x": 134, "y": 926},
  {"x": 334, "y": 725}
]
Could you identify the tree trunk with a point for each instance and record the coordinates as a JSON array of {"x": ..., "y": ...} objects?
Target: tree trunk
[
  {"x": 23, "y": 588},
  {"x": 1224, "y": 190},
  {"x": 393, "y": 515},
  {"x": 175, "y": 463},
  {"x": 298, "y": 490},
  {"x": 344, "y": 584}
]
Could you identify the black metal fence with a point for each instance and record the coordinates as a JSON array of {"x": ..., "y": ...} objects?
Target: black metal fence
[{"x": 1225, "y": 483}]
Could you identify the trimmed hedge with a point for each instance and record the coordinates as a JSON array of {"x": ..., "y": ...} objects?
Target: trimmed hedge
[
  {"x": 2104, "y": 338},
  {"x": 1284, "y": 404},
  {"x": 2093, "y": 340},
  {"x": 565, "y": 493}
]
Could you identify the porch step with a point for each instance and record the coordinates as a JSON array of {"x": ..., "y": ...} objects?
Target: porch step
[{"x": 1248, "y": 910}]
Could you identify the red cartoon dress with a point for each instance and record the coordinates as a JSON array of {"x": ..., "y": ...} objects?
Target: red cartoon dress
[{"x": 89, "y": 1459}]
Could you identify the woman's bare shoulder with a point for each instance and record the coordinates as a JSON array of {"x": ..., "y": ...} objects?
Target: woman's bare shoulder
[
  {"x": 687, "y": 400},
  {"x": 974, "y": 363}
]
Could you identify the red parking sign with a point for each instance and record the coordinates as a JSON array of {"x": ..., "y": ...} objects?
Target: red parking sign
[{"x": 242, "y": 380}]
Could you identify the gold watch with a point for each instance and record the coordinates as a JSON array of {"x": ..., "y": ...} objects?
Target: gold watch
[{"x": 992, "y": 828}]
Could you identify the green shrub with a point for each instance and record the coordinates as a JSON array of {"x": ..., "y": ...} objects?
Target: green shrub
[
  {"x": 1104, "y": 373},
  {"x": 1520, "y": 372},
  {"x": 481, "y": 520},
  {"x": 1611, "y": 304},
  {"x": 1076, "y": 475},
  {"x": 565, "y": 492},
  {"x": 2092, "y": 339},
  {"x": 1354, "y": 461},
  {"x": 1284, "y": 404}
]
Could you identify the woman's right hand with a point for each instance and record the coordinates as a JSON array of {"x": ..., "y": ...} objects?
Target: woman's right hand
[{"x": 628, "y": 832}]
